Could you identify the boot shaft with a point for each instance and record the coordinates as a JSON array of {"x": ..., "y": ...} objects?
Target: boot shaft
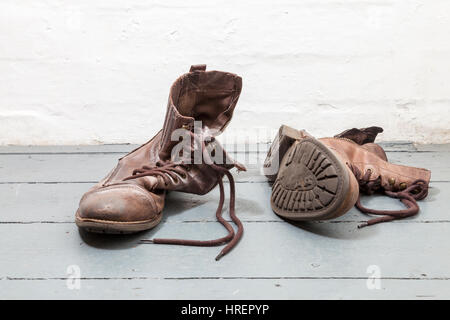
[
  {"x": 208, "y": 97},
  {"x": 392, "y": 177},
  {"x": 199, "y": 95}
]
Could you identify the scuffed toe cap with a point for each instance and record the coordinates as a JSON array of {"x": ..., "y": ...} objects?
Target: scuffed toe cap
[{"x": 120, "y": 203}]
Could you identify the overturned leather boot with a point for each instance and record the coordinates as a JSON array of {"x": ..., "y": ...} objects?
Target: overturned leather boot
[
  {"x": 131, "y": 197},
  {"x": 318, "y": 179}
]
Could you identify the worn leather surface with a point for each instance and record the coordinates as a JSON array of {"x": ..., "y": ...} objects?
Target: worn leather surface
[
  {"x": 113, "y": 199},
  {"x": 361, "y": 136},
  {"x": 365, "y": 137},
  {"x": 388, "y": 172},
  {"x": 351, "y": 197},
  {"x": 207, "y": 96},
  {"x": 375, "y": 149}
]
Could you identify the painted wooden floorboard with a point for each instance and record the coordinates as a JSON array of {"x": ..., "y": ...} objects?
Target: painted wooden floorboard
[
  {"x": 93, "y": 167},
  {"x": 89, "y": 167},
  {"x": 414, "y": 250},
  {"x": 225, "y": 289},
  {"x": 39, "y": 192},
  {"x": 58, "y": 202},
  {"x": 398, "y": 146},
  {"x": 433, "y": 147}
]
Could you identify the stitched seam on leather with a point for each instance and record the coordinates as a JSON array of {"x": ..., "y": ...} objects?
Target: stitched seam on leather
[
  {"x": 108, "y": 179},
  {"x": 120, "y": 222},
  {"x": 234, "y": 99},
  {"x": 136, "y": 149},
  {"x": 112, "y": 173},
  {"x": 379, "y": 169}
]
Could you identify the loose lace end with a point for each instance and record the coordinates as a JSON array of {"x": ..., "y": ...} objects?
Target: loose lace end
[
  {"x": 146, "y": 241},
  {"x": 362, "y": 225},
  {"x": 220, "y": 255}
]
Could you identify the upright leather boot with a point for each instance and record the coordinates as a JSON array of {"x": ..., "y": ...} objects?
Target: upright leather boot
[
  {"x": 320, "y": 179},
  {"x": 131, "y": 197}
]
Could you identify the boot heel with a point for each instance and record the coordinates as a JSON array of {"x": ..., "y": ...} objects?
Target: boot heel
[
  {"x": 289, "y": 133},
  {"x": 285, "y": 137},
  {"x": 312, "y": 182}
]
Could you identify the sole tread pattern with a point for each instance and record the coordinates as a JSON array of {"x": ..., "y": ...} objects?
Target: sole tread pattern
[{"x": 308, "y": 180}]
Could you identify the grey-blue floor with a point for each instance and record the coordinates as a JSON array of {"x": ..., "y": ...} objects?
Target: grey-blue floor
[{"x": 41, "y": 249}]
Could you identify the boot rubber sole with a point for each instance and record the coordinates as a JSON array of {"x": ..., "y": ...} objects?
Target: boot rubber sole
[
  {"x": 312, "y": 182},
  {"x": 114, "y": 227}
]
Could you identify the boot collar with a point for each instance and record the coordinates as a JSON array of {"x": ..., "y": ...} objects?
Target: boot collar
[{"x": 198, "y": 95}]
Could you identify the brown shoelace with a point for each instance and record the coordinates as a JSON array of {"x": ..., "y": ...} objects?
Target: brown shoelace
[
  {"x": 418, "y": 190},
  {"x": 172, "y": 169}
]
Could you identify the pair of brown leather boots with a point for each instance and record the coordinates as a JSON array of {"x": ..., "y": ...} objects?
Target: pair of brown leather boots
[{"x": 314, "y": 179}]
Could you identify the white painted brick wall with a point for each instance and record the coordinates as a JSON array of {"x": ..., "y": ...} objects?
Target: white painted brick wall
[{"x": 99, "y": 71}]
